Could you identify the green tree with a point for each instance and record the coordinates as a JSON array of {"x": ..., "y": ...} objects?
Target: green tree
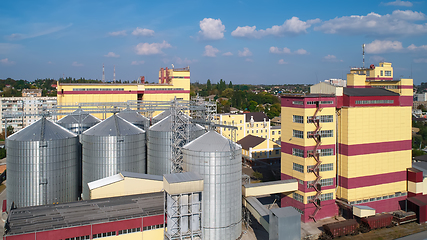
[
  {"x": 208, "y": 86},
  {"x": 252, "y": 106},
  {"x": 230, "y": 85},
  {"x": 228, "y": 93}
]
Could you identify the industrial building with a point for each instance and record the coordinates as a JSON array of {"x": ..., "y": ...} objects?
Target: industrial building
[
  {"x": 350, "y": 146},
  {"x": 172, "y": 83}
]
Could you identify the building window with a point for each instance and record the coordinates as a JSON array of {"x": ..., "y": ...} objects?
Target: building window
[
  {"x": 375, "y": 102},
  {"x": 323, "y": 197},
  {"x": 298, "y": 119},
  {"x": 261, "y": 130},
  {"x": 299, "y": 168},
  {"x": 323, "y": 182},
  {"x": 297, "y": 102},
  {"x": 323, "y": 133},
  {"x": 257, "y": 131},
  {"x": 257, "y": 125},
  {"x": 297, "y": 134},
  {"x": 298, "y": 197},
  {"x": 367, "y": 73},
  {"x": 323, "y": 152},
  {"x": 272, "y": 133},
  {"x": 387, "y": 73},
  {"x": 277, "y": 151},
  {"x": 323, "y": 118},
  {"x": 252, "y": 131},
  {"x": 279, "y": 132},
  {"x": 297, "y": 152},
  {"x": 381, "y": 72},
  {"x": 240, "y": 128},
  {"x": 326, "y": 102},
  {"x": 247, "y": 131}
]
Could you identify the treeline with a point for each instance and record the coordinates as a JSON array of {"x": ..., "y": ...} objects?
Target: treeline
[
  {"x": 241, "y": 97},
  {"x": 419, "y": 140}
]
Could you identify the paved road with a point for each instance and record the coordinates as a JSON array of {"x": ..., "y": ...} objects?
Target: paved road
[{"x": 417, "y": 236}]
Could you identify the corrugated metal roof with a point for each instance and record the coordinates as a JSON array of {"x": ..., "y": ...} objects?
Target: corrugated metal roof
[
  {"x": 105, "y": 181},
  {"x": 182, "y": 177},
  {"x": 211, "y": 142},
  {"x": 75, "y": 116},
  {"x": 166, "y": 124},
  {"x": 162, "y": 115},
  {"x": 367, "y": 92},
  {"x": 113, "y": 126},
  {"x": 142, "y": 176},
  {"x": 42, "y": 130},
  {"x": 132, "y": 116}
]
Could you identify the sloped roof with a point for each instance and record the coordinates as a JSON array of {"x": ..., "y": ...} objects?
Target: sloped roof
[
  {"x": 162, "y": 115},
  {"x": 75, "y": 116},
  {"x": 132, "y": 116},
  {"x": 258, "y": 116},
  {"x": 182, "y": 177},
  {"x": 113, "y": 126},
  {"x": 105, "y": 181},
  {"x": 250, "y": 141},
  {"x": 142, "y": 176},
  {"x": 165, "y": 125},
  {"x": 368, "y": 92},
  {"x": 211, "y": 142},
  {"x": 42, "y": 130}
]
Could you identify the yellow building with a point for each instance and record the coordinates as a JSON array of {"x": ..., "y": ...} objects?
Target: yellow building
[
  {"x": 253, "y": 123},
  {"x": 172, "y": 83},
  {"x": 258, "y": 148},
  {"x": 362, "y": 136}
]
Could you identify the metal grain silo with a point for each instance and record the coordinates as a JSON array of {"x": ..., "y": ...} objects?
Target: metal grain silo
[
  {"x": 110, "y": 147},
  {"x": 135, "y": 118},
  {"x": 42, "y": 165},
  {"x": 78, "y": 121},
  {"x": 160, "y": 117},
  {"x": 213, "y": 157},
  {"x": 159, "y": 145}
]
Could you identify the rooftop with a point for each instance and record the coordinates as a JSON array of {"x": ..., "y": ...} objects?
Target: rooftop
[
  {"x": 250, "y": 141},
  {"x": 367, "y": 92},
  {"x": 258, "y": 116},
  {"x": 48, "y": 217}
]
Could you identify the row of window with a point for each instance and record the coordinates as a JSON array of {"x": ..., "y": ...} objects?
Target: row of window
[
  {"x": 323, "y": 182},
  {"x": 311, "y": 102},
  {"x": 131, "y": 230},
  {"x": 323, "y": 152},
  {"x": 98, "y": 89},
  {"x": 260, "y": 153},
  {"x": 298, "y": 167},
  {"x": 323, "y": 118},
  {"x": 397, "y": 194},
  {"x": 102, "y": 235},
  {"x": 374, "y": 101},
  {"x": 163, "y": 89},
  {"x": 386, "y": 86},
  {"x": 323, "y": 167},
  {"x": 113, "y": 233},
  {"x": 153, "y": 227},
  {"x": 323, "y": 197},
  {"x": 298, "y": 197},
  {"x": 79, "y": 238},
  {"x": 323, "y": 133}
]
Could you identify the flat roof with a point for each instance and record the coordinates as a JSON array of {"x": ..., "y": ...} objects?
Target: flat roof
[
  {"x": 269, "y": 183},
  {"x": 80, "y": 213},
  {"x": 307, "y": 95},
  {"x": 368, "y": 92},
  {"x": 142, "y": 176}
]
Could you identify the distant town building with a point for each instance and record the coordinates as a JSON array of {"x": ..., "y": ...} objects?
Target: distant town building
[
  {"x": 31, "y": 93},
  {"x": 258, "y": 148},
  {"x": 25, "y": 105},
  {"x": 337, "y": 82}
]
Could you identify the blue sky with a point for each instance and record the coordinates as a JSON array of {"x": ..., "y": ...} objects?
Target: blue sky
[{"x": 269, "y": 42}]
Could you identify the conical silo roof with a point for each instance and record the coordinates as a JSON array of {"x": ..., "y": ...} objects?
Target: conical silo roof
[
  {"x": 166, "y": 124},
  {"x": 42, "y": 130},
  {"x": 132, "y": 116},
  {"x": 211, "y": 142},
  {"x": 75, "y": 117},
  {"x": 162, "y": 115},
  {"x": 113, "y": 126}
]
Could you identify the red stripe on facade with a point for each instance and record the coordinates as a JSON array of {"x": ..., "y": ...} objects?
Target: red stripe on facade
[
  {"x": 153, "y": 220},
  {"x": 372, "y": 180},
  {"x": 406, "y": 101},
  {"x": 66, "y": 233},
  {"x": 371, "y": 148},
  {"x": 387, "y": 205},
  {"x": 101, "y": 92},
  {"x": 415, "y": 175},
  {"x": 288, "y": 101},
  {"x": 381, "y": 78},
  {"x": 350, "y": 101},
  {"x": 411, "y": 194},
  {"x": 406, "y": 87},
  {"x": 165, "y": 91},
  {"x": 117, "y": 225},
  {"x": 287, "y": 148},
  {"x": 329, "y": 208},
  {"x": 28, "y": 236}
]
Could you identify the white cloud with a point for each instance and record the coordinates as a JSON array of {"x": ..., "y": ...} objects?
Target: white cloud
[
  {"x": 245, "y": 53},
  {"x": 399, "y": 3},
  {"x": 6, "y": 61},
  {"x": 185, "y": 61},
  {"x": 397, "y": 23},
  {"x": 46, "y": 30},
  {"x": 118, "y": 33},
  {"x": 379, "y": 46},
  {"x": 227, "y": 54},
  {"x": 412, "y": 47},
  {"x": 111, "y": 54},
  {"x": 249, "y": 60},
  {"x": 292, "y": 26},
  {"x": 137, "y": 62},
  {"x": 143, "y": 32},
  {"x": 210, "y": 51},
  {"x": 49, "y": 62},
  {"x": 6, "y": 48},
  {"x": 281, "y": 61},
  {"x": 420, "y": 60},
  {"x": 151, "y": 48},
  {"x": 279, "y": 50},
  {"x": 76, "y": 64},
  {"x": 211, "y": 29},
  {"x": 286, "y": 50},
  {"x": 331, "y": 58}
]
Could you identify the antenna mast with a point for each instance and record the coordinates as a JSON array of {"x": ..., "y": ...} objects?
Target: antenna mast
[
  {"x": 363, "y": 50},
  {"x": 103, "y": 73}
]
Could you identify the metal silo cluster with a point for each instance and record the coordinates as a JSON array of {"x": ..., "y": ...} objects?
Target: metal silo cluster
[
  {"x": 78, "y": 121},
  {"x": 159, "y": 117},
  {"x": 218, "y": 160},
  {"x": 42, "y": 165},
  {"x": 112, "y": 146},
  {"x": 135, "y": 118},
  {"x": 159, "y": 145}
]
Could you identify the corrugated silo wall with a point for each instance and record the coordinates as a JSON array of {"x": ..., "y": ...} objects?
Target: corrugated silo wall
[
  {"x": 104, "y": 156},
  {"x": 222, "y": 194},
  {"x": 40, "y": 173},
  {"x": 159, "y": 152}
]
